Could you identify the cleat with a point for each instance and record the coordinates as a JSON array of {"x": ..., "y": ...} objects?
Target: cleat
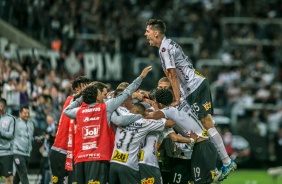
[
  {"x": 217, "y": 175},
  {"x": 225, "y": 170}
]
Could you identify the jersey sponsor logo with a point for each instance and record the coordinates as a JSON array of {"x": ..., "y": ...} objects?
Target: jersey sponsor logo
[
  {"x": 90, "y": 131},
  {"x": 55, "y": 179},
  {"x": 148, "y": 181},
  {"x": 91, "y": 155},
  {"x": 141, "y": 155},
  {"x": 69, "y": 141},
  {"x": 207, "y": 105},
  {"x": 91, "y": 110},
  {"x": 198, "y": 73},
  {"x": 120, "y": 156},
  {"x": 69, "y": 154},
  {"x": 205, "y": 133},
  {"x": 163, "y": 49},
  {"x": 186, "y": 77},
  {"x": 86, "y": 119},
  {"x": 93, "y": 182},
  {"x": 89, "y": 145}
]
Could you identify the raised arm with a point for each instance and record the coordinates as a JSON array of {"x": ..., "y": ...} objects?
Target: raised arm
[
  {"x": 72, "y": 108},
  {"x": 114, "y": 103},
  {"x": 155, "y": 115},
  {"x": 123, "y": 120}
]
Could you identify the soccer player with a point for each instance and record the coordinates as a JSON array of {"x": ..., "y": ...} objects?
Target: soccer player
[
  {"x": 7, "y": 127},
  {"x": 94, "y": 136},
  {"x": 204, "y": 155},
  {"x": 189, "y": 84},
  {"x": 22, "y": 145},
  {"x": 124, "y": 162},
  {"x": 59, "y": 149}
]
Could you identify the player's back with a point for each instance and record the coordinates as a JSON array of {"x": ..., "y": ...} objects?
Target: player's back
[
  {"x": 128, "y": 139},
  {"x": 185, "y": 118}
]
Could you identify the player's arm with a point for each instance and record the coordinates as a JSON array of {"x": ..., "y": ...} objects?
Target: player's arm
[
  {"x": 114, "y": 103},
  {"x": 155, "y": 115},
  {"x": 10, "y": 133},
  {"x": 175, "y": 85},
  {"x": 178, "y": 138},
  {"x": 123, "y": 120},
  {"x": 72, "y": 108}
]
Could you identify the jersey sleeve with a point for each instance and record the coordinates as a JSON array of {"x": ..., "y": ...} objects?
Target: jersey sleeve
[
  {"x": 156, "y": 125},
  {"x": 169, "y": 112},
  {"x": 167, "y": 56}
]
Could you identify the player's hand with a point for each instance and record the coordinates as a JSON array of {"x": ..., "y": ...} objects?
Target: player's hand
[
  {"x": 145, "y": 72},
  {"x": 193, "y": 135}
]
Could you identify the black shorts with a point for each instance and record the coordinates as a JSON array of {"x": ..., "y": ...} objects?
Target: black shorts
[
  {"x": 150, "y": 174},
  {"x": 94, "y": 171},
  {"x": 6, "y": 165},
  {"x": 180, "y": 171},
  {"x": 200, "y": 100},
  {"x": 57, "y": 163},
  {"x": 203, "y": 162},
  {"x": 121, "y": 174}
]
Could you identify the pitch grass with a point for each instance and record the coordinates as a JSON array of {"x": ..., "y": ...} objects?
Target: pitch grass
[{"x": 244, "y": 176}]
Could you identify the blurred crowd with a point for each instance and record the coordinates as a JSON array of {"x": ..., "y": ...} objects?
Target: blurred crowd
[{"x": 61, "y": 24}]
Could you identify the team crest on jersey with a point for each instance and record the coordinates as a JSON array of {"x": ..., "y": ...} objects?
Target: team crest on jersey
[
  {"x": 4, "y": 124},
  {"x": 55, "y": 179},
  {"x": 207, "y": 105},
  {"x": 93, "y": 182},
  {"x": 148, "y": 181},
  {"x": 163, "y": 49}
]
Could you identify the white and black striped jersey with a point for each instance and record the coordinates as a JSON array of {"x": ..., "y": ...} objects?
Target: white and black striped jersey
[
  {"x": 184, "y": 118},
  {"x": 129, "y": 138},
  {"x": 172, "y": 56},
  {"x": 175, "y": 149},
  {"x": 148, "y": 153}
]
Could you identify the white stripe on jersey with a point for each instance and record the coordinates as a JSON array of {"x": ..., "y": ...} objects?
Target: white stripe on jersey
[
  {"x": 185, "y": 118},
  {"x": 148, "y": 152},
  {"x": 128, "y": 139},
  {"x": 172, "y": 56}
]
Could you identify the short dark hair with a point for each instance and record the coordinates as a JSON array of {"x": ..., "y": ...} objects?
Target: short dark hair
[
  {"x": 138, "y": 108},
  {"x": 77, "y": 82},
  {"x": 24, "y": 107},
  {"x": 164, "y": 96},
  {"x": 3, "y": 101},
  {"x": 89, "y": 94},
  {"x": 157, "y": 24},
  {"x": 99, "y": 85}
]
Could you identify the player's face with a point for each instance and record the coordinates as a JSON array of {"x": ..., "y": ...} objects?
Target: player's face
[
  {"x": 24, "y": 114},
  {"x": 150, "y": 34},
  {"x": 100, "y": 96},
  {"x": 163, "y": 85},
  {"x": 104, "y": 93}
]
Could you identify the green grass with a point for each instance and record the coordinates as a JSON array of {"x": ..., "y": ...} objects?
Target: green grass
[{"x": 243, "y": 176}]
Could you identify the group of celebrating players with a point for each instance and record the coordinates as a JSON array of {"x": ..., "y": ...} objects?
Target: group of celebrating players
[{"x": 119, "y": 137}]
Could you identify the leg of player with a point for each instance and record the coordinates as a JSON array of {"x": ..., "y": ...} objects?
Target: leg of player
[{"x": 228, "y": 164}]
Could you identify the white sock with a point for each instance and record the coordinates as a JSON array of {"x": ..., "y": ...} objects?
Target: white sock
[{"x": 218, "y": 143}]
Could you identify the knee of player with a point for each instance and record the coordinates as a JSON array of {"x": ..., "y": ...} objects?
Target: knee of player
[{"x": 207, "y": 121}]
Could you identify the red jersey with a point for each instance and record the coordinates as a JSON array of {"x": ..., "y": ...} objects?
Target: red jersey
[
  {"x": 94, "y": 138},
  {"x": 61, "y": 140}
]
